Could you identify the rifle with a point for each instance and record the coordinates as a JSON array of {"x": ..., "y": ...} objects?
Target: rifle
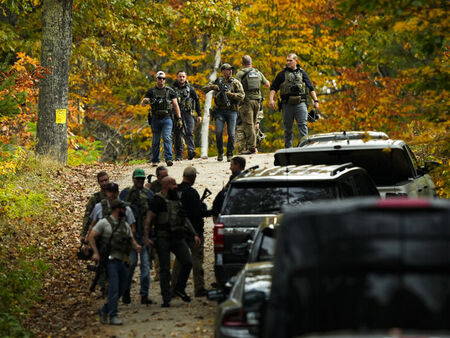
[
  {"x": 206, "y": 193},
  {"x": 223, "y": 89}
]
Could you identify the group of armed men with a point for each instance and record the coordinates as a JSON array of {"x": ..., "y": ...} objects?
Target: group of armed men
[
  {"x": 237, "y": 101},
  {"x": 121, "y": 228}
]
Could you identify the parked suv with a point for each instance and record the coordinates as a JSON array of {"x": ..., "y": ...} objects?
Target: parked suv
[
  {"x": 390, "y": 163},
  {"x": 263, "y": 192},
  {"x": 361, "y": 267}
]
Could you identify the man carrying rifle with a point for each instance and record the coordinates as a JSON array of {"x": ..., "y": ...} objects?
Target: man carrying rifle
[
  {"x": 195, "y": 211},
  {"x": 228, "y": 93},
  {"x": 117, "y": 241},
  {"x": 189, "y": 105}
]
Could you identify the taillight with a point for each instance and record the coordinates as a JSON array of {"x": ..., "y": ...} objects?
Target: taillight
[
  {"x": 235, "y": 318},
  {"x": 218, "y": 237}
]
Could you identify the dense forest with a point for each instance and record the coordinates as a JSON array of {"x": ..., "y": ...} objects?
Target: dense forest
[{"x": 377, "y": 66}]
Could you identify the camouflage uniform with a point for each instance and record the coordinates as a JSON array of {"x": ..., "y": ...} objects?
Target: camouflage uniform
[
  {"x": 95, "y": 198},
  {"x": 249, "y": 111}
]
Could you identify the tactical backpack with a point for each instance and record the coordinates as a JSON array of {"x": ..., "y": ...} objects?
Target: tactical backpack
[
  {"x": 161, "y": 103},
  {"x": 138, "y": 202},
  {"x": 106, "y": 210},
  {"x": 293, "y": 88},
  {"x": 251, "y": 81},
  {"x": 175, "y": 216},
  {"x": 120, "y": 239}
]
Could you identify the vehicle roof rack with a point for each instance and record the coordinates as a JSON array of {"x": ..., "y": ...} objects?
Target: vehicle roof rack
[{"x": 342, "y": 167}]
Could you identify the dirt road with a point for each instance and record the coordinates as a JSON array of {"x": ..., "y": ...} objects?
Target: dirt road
[{"x": 193, "y": 319}]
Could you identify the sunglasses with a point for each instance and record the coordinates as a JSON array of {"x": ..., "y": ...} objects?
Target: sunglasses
[{"x": 161, "y": 78}]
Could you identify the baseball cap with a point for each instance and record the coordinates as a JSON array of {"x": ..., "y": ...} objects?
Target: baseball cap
[
  {"x": 226, "y": 66},
  {"x": 190, "y": 172},
  {"x": 161, "y": 74},
  {"x": 114, "y": 187},
  {"x": 139, "y": 173}
]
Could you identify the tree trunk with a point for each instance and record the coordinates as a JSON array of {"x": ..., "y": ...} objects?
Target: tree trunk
[
  {"x": 53, "y": 89},
  {"x": 208, "y": 100}
]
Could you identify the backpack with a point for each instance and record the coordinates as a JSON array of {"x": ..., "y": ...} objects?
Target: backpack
[
  {"x": 138, "y": 202},
  {"x": 120, "y": 239},
  {"x": 175, "y": 216},
  {"x": 251, "y": 81},
  {"x": 106, "y": 210}
]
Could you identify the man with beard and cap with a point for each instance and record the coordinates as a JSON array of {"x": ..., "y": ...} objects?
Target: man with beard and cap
[
  {"x": 228, "y": 94},
  {"x": 171, "y": 226},
  {"x": 138, "y": 198}
]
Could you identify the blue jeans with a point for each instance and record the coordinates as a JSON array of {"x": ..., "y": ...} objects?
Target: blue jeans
[
  {"x": 300, "y": 113},
  {"x": 117, "y": 281},
  {"x": 145, "y": 268},
  {"x": 228, "y": 117},
  {"x": 164, "y": 127}
]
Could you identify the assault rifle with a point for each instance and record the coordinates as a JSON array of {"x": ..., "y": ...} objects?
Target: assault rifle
[
  {"x": 223, "y": 89},
  {"x": 206, "y": 194}
]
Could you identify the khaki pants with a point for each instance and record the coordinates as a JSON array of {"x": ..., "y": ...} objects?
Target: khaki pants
[
  {"x": 245, "y": 132},
  {"x": 197, "y": 265}
]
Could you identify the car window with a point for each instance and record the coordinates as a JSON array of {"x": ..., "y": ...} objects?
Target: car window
[
  {"x": 414, "y": 161},
  {"x": 269, "y": 197},
  {"x": 267, "y": 249},
  {"x": 346, "y": 187},
  {"x": 386, "y": 166},
  {"x": 364, "y": 186}
]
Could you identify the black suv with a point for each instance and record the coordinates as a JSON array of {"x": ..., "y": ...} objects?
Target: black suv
[
  {"x": 361, "y": 267},
  {"x": 263, "y": 192}
]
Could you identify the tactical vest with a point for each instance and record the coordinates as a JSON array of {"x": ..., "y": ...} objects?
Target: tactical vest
[
  {"x": 175, "y": 216},
  {"x": 185, "y": 101},
  {"x": 219, "y": 99},
  {"x": 160, "y": 102},
  {"x": 120, "y": 239},
  {"x": 293, "y": 88},
  {"x": 138, "y": 201},
  {"x": 251, "y": 81}
]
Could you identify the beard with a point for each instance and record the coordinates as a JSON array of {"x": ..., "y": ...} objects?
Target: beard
[{"x": 173, "y": 195}]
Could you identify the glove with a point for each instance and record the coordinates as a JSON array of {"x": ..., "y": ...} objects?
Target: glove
[
  {"x": 215, "y": 87},
  {"x": 179, "y": 124},
  {"x": 230, "y": 95}
]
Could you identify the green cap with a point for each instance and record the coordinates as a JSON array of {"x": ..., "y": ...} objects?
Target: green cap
[{"x": 139, "y": 173}]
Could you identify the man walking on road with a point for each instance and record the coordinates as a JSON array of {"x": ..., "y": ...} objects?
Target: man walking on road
[
  {"x": 195, "y": 210},
  {"x": 170, "y": 227},
  {"x": 162, "y": 100},
  {"x": 189, "y": 105},
  {"x": 117, "y": 239},
  {"x": 251, "y": 80},
  {"x": 138, "y": 197},
  {"x": 293, "y": 83},
  {"x": 228, "y": 93}
]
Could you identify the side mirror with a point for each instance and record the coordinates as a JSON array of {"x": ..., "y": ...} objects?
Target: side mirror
[
  {"x": 430, "y": 165},
  {"x": 217, "y": 295}
]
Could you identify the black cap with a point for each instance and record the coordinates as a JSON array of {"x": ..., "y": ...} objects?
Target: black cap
[{"x": 114, "y": 187}]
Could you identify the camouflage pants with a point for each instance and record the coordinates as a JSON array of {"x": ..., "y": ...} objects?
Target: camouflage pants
[
  {"x": 245, "y": 132},
  {"x": 197, "y": 253}
]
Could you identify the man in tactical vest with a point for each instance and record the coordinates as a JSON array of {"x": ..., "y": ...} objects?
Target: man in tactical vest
[
  {"x": 138, "y": 198},
  {"x": 228, "y": 93},
  {"x": 196, "y": 210},
  {"x": 162, "y": 100},
  {"x": 294, "y": 85},
  {"x": 171, "y": 226},
  {"x": 251, "y": 80},
  {"x": 189, "y": 105},
  {"x": 117, "y": 241},
  {"x": 103, "y": 180}
]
